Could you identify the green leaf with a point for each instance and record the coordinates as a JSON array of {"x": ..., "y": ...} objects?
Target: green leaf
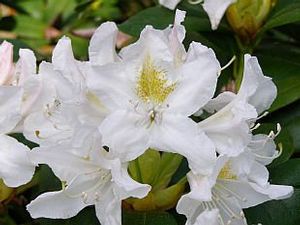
[
  {"x": 143, "y": 218},
  {"x": 282, "y": 212},
  {"x": 167, "y": 167},
  {"x": 158, "y": 17},
  {"x": 6, "y": 220},
  {"x": 29, "y": 27},
  {"x": 282, "y": 63},
  {"x": 285, "y": 12},
  {"x": 161, "y": 18}
]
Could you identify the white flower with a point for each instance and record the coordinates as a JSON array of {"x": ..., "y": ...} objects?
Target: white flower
[
  {"x": 68, "y": 111},
  {"x": 90, "y": 180},
  {"x": 230, "y": 127},
  {"x": 16, "y": 98},
  {"x": 215, "y": 9},
  {"x": 222, "y": 196},
  {"x": 151, "y": 89},
  {"x": 237, "y": 183}
]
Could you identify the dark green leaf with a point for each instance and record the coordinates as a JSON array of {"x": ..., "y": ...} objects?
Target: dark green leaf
[
  {"x": 282, "y": 63},
  {"x": 285, "y": 12},
  {"x": 158, "y": 218}
]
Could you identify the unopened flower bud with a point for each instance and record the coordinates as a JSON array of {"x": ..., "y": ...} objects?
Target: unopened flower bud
[{"x": 246, "y": 17}]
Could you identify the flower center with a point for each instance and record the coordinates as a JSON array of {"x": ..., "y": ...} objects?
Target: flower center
[
  {"x": 226, "y": 173},
  {"x": 152, "y": 85}
]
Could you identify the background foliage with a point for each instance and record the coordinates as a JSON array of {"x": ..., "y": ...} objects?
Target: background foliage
[{"x": 38, "y": 24}]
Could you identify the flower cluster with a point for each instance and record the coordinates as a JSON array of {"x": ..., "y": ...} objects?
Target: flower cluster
[{"x": 92, "y": 118}]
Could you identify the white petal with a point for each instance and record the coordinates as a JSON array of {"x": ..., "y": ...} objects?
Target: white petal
[
  {"x": 57, "y": 156},
  {"x": 259, "y": 174},
  {"x": 228, "y": 128},
  {"x": 26, "y": 65},
  {"x": 170, "y": 4},
  {"x": 153, "y": 43},
  {"x": 102, "y": 49},
  {"x": 263, "y": 148},
  {"x": 10, "y": 108},
  {"x": 276, "y": 192},
  {"x": 55, "y": 205},
  {"x": 126, "y": 186},
  {"x": 63, "y": 60},
  {"x": 113, "y": 84},
  {"x": 180, "y": 135},
  {"x": 216, "y": 104},
  {"x": 176, "y": 37},
  {"x": 47, "y": 131},
  {"x": 189, "y": 207},
  {"x": 251, "y": 194},
  {"x": 197, "y": 79},
  {"x": 125, "y": 136},
  {"x": 32, "y": 89},
  {"x": 257, "y": 88},
  {"x": 6, "y": 62},
  {"x": 200, "y": 187},
  {"x": 208, "y": 217},
  {"x": 215, "y": 10},
  {"x": 16, "y": 168},
  {"x": 108, "y": 210}
]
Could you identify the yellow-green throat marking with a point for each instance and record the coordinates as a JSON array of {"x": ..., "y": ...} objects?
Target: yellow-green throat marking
[
  {"x": 152, "y": 84},
  {"x": 226, "y": 173}
]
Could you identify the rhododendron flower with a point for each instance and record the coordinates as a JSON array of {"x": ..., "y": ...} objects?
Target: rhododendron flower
[
  {"x": 151, "y": 89},
  {"x": 68, "y": 112},
  {"x": 90, "y": 180},
  {"x": 220, "y": 198},
  {"x": 230, "y": 127}
]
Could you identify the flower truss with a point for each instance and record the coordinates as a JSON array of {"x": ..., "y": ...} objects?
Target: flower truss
[
  {"x": 92, "y": 118},
  {"x": 215, "y": 9}
]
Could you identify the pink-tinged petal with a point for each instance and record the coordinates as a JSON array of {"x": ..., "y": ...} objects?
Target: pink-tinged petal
[
  {"x": 6, "y": 63},
  {"x": 16, "y": 168}
]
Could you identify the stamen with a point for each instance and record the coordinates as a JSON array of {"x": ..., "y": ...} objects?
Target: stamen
[
  {"x": 273, "y": 135},
  {"x": 195, "y": 2},
  {"x": 255, "y": 127},
  {"x": 227, "y": 65},
  {"x": 262, "y": 115}
]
